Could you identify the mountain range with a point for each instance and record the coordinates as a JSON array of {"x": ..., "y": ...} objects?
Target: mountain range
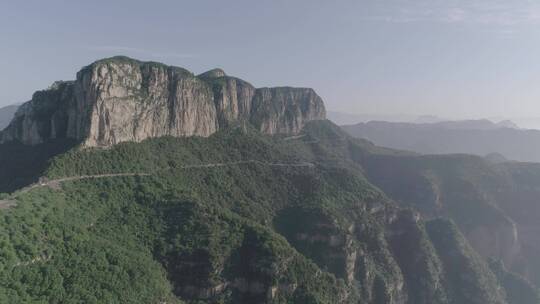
[
  {"x": 144, "y": 183},
  {"x": 348, "y": 118},
  {"x": 479, "y": 137}
]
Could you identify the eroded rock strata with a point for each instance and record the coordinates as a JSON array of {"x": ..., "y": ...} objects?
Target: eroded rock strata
[{"x": 120, "y": 99}]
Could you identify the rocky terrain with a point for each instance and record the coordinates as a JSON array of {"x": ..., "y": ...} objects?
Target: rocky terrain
[{"x": 120, "y": 99}]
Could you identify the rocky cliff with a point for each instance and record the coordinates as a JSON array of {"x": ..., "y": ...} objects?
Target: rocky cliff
[{"x": 120, "y": 99}]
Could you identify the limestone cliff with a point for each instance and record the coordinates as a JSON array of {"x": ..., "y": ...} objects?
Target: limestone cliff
[{"x": 120, "y": 99}]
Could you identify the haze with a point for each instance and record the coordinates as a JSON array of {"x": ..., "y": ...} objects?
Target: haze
[{"x": 456, "y": 59}]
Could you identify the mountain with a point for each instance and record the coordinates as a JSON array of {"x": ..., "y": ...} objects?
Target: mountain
[
  {"x": 248, "y": 214},
  {"x": 527, "y": 122},
  {"x": 6, "y": 114},
  {"x": 479, "y": 137},
  {"x": 475, "y": 124},
  {"x": 120, "y": 99},
  {"x": 238, "y": 217},
  {"x": 343, "y": 118},
  {"x": 427, "y": 119},
  {"x": 507, "y": 124}
]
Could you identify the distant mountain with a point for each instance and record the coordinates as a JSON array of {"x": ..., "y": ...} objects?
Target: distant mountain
[
  {"x": 476, "y": 124},
  {"x": 496, "y": 158},
  {"x": 479, "y": 137},
  {"x": 342, "y": 118},
  {"x": 427, "y": 119},
  {"x": 508, "y": 124},
  {"x": 6, "y": 114},
  {"x": 527, "y": 122}
]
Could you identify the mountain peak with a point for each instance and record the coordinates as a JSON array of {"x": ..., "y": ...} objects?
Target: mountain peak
[
  {"x": 507, "y": 124},
  {"x": 122, "y": 99},
  {"x": 214, "y": 73}
]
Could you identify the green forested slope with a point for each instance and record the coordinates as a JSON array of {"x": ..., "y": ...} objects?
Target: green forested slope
[{"x": 275, "y": 220}]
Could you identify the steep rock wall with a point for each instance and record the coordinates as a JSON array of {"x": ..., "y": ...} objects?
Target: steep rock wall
[{"x": 120, "y": 99}]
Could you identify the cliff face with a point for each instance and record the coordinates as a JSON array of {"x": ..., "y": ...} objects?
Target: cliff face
[{"x": 121, "y": 99}]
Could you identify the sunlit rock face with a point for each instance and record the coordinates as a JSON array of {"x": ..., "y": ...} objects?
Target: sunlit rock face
[{"x": 120, "y": 99}]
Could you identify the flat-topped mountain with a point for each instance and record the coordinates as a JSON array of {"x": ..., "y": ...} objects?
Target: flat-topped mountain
[{"x": 121, "y": 99}]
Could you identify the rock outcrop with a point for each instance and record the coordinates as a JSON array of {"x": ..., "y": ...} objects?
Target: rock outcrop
[{"x": 120, "y": 99}]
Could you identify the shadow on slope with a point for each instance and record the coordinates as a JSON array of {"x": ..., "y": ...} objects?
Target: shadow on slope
[{"x": 21, "y": 165}]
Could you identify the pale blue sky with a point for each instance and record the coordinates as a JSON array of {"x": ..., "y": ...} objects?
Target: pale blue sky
[{"x": 473, "y": 58}]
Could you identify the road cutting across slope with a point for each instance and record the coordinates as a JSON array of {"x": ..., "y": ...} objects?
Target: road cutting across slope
[{"x": 56, "y": 183}]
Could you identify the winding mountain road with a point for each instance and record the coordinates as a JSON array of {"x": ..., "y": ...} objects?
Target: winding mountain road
[{"x": 55, "y": 183}]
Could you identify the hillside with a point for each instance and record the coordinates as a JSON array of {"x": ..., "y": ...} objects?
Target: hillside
[
  {"x": 306, "y": 224},
  {"x": 493, "y": 204},
  {"x": 472, "y": 137}
]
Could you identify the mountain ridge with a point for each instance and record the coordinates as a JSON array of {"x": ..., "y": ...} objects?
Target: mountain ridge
[
  {"x": 122, "y": 99},
  {"x": 472, "y": 137}
]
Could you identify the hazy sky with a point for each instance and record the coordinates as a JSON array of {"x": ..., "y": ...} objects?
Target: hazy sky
[{"x": 461, "y": 58}]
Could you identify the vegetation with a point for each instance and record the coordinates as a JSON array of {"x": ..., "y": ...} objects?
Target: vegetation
[
  {"x": 234, "y": 218},
  {"x": 468, "y": 275},
  {"x": 124, "y": 239},
  {"x": 135, "y": 62}
]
